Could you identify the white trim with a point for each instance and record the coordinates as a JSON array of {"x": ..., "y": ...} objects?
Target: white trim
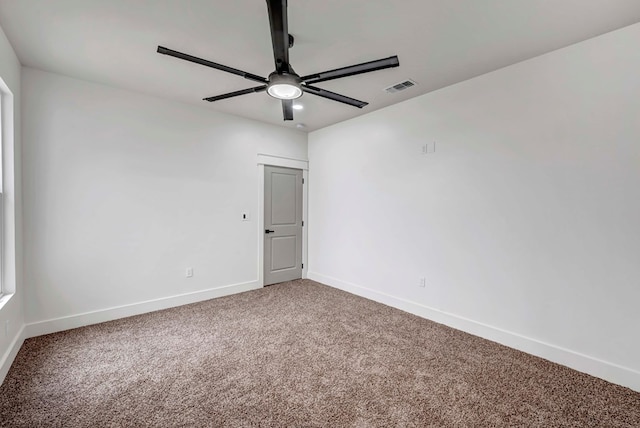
[
  {"x": 4, "y": 298},
  {"x": 10, "y": 355},
  {"x": 103, "y": 315},
  {"x": 305, "y": 221},
  {"x": 260, "y": 225},
  {"x": 603, "y": 369},
  {"x": 285, "y": 163}
]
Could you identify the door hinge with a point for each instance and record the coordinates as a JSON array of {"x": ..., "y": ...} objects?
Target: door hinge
[
  {"x": 303, "y": 223},
  {"x": 303, "y": 181},
  {"x": 302, "y": 265}
]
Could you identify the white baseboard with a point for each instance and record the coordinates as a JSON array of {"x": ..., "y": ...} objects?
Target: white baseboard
[
  {"x": 10, "y": 354},
  {"x": 605, "y": 370},
  {"x": 80, "y": 320}
]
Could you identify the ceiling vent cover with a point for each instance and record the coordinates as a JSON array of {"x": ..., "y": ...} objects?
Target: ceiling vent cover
[{"x": 400, "y": 86}]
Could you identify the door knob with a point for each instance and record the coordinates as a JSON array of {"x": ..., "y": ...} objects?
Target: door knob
[{"x": 269, "y": 231}]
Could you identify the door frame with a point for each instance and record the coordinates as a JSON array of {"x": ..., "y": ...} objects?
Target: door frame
[{"x": 285, "y": 163}]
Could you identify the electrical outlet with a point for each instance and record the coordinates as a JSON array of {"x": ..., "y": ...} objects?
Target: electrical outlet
[
  {"x": 423, "y": 282},
  {"x": 189, "y": 272}
]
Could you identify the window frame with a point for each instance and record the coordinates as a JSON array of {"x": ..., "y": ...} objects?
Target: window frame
[{"x": 3, "y": 119}]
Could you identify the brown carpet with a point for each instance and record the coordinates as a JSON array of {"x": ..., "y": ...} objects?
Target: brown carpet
[{"x": 294, "y": 355}]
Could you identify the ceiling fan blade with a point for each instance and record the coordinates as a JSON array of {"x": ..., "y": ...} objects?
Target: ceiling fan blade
[
  {"x": 333, "y": 96},
  {"x": 187, "y": 57},
  {"x": 352, "y": 70},
  {"x": 279, "y": 34},
  {"x": 287, "y": 109},
  {"x": 236, "y": 93}
]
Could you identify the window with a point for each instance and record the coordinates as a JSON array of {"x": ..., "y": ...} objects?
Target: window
[
  {"x": 6, "y": 136},
  {"x": 7, "y": 196},
  {"x": 3, "y": 98}
]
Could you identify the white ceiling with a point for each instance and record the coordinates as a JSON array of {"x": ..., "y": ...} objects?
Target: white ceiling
[{"x": 439, "y": 42}]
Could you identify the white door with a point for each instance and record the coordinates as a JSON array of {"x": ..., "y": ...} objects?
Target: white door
[{"x": 282, "y": 224}]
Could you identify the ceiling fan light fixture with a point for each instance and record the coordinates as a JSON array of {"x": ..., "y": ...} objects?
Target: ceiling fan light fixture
[
  {"x": 284, "y": 91},
  {"x": 284, "y": 86}
]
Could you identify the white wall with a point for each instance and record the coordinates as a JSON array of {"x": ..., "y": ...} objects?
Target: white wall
[
  {"x": 526, "y": 219},
  {"x": 11, "y": 308},
  {"x": 123, "y": 192}
]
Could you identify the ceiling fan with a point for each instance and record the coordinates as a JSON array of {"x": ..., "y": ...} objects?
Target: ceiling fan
[{"x": 284, "y": 83}]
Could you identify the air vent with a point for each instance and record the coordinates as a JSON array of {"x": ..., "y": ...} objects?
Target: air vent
[{"x": 400, "y": 86}]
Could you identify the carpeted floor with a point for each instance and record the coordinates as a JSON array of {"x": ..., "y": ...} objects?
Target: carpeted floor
[{"x": 294, "y": 355}]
